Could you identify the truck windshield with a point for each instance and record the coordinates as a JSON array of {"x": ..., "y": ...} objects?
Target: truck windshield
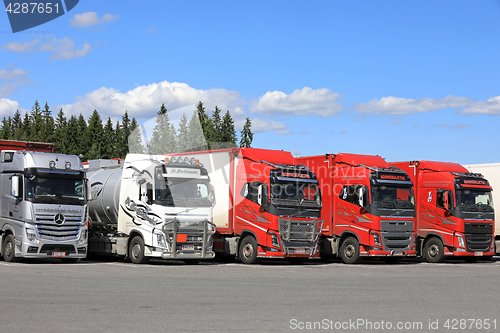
[
  {"x": 183, "y": 192},
  {"x": 393, "y": 197},
  {"x": 474, "y": 200},
  {"x": 55, "y": 190},
  {"x": 295, "y": 193}
]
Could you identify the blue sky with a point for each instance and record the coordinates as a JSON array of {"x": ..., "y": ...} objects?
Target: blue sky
[{"x": 403, "y": 80}]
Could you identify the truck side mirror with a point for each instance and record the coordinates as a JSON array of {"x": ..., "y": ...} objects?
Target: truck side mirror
[
  {"x": 15, "y": 182},
  {"x": 262, "y": 197},
  {"x": 361, "y": 193},
  {"x": 88, "y": 190}
]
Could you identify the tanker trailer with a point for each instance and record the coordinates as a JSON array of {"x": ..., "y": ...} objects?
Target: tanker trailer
[{"x": 151, "y": 206}]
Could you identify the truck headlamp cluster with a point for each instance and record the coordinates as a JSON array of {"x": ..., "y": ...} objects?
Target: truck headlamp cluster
[
  {"x": 182, "y": 160},
  {"x": 460, "y": 241},
  {"x": 31, "y": 236},
  {"x": 52, "y": 164}
]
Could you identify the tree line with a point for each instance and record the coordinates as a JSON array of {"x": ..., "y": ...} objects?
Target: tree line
[{"x": 95, "y": 140}]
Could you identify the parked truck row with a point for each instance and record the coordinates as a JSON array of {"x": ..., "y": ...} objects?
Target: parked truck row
[{"x": 244, "y": 203}]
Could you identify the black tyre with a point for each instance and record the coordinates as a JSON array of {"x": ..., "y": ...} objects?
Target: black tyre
[
  {"x": 70, "y": 260},
  {"x": 297, "y": 260},
  {"x": 136, "y": 251},
  {"x": 349, "y": 251},
  {"x": 393, "y": 260},
  {"x": 248, "y": 250},
  {"x": 434, "y": 250},
  {"x": 8, "y": 249}
]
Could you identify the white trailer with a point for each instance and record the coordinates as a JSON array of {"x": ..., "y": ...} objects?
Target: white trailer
[
  {"x": 151, "y": 206},
  {"x": 43, "y": 206},
  {"x": 491, "y": 172}
]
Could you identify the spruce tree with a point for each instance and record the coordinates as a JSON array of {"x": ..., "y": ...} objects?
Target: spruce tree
[
  {"x": 73, "y": 130},
  {"x": 183, "y": 144},
  {"x": 25, "y": 128},
  {"x": 16, "y": 126},
  {"x": 61, "y": 133},
  {"x": 206, "y": 124},
  {"x": 83, "y": 139},
  {"x": 246, "y": 134},
  {"x": 122, "y": 141},
  {"x": 95, "y": 134},
  {"x": 228, "y": 133},
  {"x": 36, "y": 123},
  {"x": 48, "y": 125},
  {"x": 196, "y": 137},
  {"x": 135, "y": 145},
  {"x": 5, "y": 131},
  {"x": 109, "y": 140},
  {"x": 163, "y": 139}
]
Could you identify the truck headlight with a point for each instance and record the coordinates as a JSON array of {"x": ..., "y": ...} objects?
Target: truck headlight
[
  {"x": 161, "y": 240},
  {"x": 376, "y": 239},
  {"x": 31, "y": 236},
  {"x": 83, "y": 237},
  {"x": 274, "y": 239},
  {"x": 460, "y": 241}
]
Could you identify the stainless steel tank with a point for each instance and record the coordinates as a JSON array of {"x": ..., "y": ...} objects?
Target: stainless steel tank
[{"x": 106, "y": 183}]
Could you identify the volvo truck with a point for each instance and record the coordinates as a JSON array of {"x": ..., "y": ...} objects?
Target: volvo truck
[
  {"x": 43, "y": 203},
  {"x": 454, "y": 210},
  {"x": 492, "y": 172},
  {"x": 368, "y": 208},
  {"x": 267, "y": 205},
  {"x": 151, "y": 206}
]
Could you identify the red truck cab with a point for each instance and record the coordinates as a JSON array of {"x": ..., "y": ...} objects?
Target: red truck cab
[
  {"x": 368, "y": 207},
  {"x": 454, "y": 210}
]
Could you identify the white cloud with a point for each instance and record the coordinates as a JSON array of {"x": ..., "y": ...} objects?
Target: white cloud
[
  {"x": 21, "y": 48},
  {"x": 8, "y": 107},
  {"x": 143, "y": 102},
  {"x": 400, "y": 106},
  {"x": 60, "y": 49},
  {"x": 490, "y": 106},
  {"x": 11, "y": 79},
  {"x": 90, "y": 19},
  {"x": 307, "y": 101},
  {"x": 261, "y": 125}
]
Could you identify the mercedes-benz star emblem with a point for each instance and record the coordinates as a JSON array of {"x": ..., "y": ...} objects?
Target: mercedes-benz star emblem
[{"x": 59, "y": 219}]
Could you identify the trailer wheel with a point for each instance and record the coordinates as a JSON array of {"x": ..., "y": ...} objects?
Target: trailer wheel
[
  {"x": 8, "y": 249},
  {"x": 136, "y": 251},
  {"x": 349, "y": 251},
  {"x": 434, "y": 250},
  {"x": 248, "y": 250}
]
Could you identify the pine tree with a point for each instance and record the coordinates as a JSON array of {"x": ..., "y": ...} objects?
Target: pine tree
[
  {"x": 5, "y": 131},
  {"x": 163, "y": 139},
  {"x": 183, "y": 144},
  {"x": 246, "y": 134},
  {"x": 83, "y": 139},
  {"x": 95, "y": 134},
  {"x": 109, "y": 140},
  {"x": 196, "y": 137},
  {"x": 36, "y": 122},
  {"x": 206, "y": 124},
  {"x": 16, "y": 126},
  {"x": 61, "y": 133},
  {"x": 135, "y": 145},
  {"x": 48, "y": 125},
  {"x": 228, "y": 133},
  {"x": 73, "y": 128}
]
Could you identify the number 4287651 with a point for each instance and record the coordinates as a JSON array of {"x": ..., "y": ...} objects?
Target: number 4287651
[{"x": 32, "y": 7}]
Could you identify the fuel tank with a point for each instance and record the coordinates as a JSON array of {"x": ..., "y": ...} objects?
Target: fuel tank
[{"x": 105, "y": 184}]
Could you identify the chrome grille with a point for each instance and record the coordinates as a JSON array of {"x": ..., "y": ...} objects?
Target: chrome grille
[{"x": 48, "y": 228}]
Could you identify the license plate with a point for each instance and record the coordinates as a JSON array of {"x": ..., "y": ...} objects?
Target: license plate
[
  {"x": 397, "y": 253},
  {"x": 300, "y": 251},
  {"x": 478, "y": 253},
  {"x": 59, "y": 254},
  {"x": 188, "y": 247}
]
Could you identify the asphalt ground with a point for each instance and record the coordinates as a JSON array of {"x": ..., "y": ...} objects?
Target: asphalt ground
[{"x": 274, "y": 296}]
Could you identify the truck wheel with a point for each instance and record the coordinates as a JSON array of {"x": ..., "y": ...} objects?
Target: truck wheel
[
  {"x": 8, "y": 249},
  {"x": 349, "y": 251},
  {"x": 434, "y": 250},
  {"x": 248, "y": 250},
  {"x": 136, "y": 251}
]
